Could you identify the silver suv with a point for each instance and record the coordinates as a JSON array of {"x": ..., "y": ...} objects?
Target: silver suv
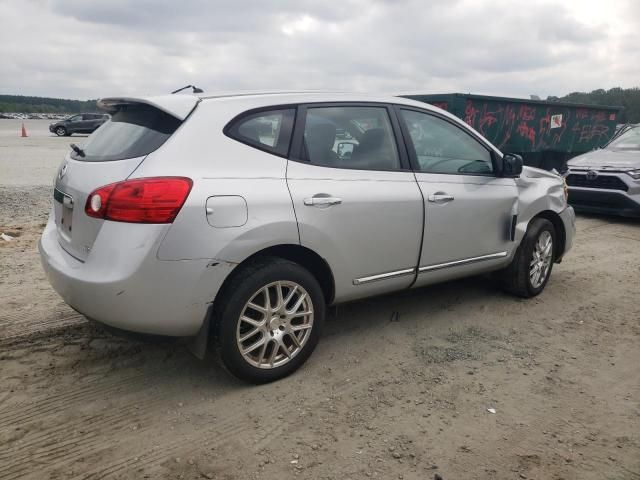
[
  {"x": 608, "y": 180},
  {"x": 242, "y": 217}
]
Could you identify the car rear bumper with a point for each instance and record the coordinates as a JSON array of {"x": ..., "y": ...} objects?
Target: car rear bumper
[
  {"x": 612, "y": 202},
  {"x": 127, "y": 287}
]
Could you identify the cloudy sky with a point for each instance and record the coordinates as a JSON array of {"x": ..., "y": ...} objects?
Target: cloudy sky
[{"x": 88, "y": 49}]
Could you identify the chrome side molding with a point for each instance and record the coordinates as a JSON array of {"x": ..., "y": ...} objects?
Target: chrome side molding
[
  {"x": 456, "y": 263},
  {"x": 427, "y": 268},
  {"x": 384, "y": 276}
]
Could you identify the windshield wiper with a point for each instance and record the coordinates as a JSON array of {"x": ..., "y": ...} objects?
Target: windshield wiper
[
  {"x": 622, "y": 130},
  {"x": 77, "y": 149}
]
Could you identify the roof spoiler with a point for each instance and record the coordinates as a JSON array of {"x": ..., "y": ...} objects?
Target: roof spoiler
[{"x": 179, "y": 106}]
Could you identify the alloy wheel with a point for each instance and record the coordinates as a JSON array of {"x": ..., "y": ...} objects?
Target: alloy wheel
[
  {"x": 275, "y": 324},
  {"x": 541, "y": 259}
]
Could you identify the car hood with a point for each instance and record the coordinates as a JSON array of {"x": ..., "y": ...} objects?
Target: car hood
[{"x": 605, "y": 158}]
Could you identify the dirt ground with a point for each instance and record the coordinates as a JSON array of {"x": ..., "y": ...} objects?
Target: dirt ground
[{"x": 399, "y": 387}]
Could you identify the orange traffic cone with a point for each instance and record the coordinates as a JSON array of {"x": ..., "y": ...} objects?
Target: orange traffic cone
[{"x": 24, "y": 131}]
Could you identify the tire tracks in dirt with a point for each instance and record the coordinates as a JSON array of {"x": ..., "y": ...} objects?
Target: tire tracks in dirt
[{"x": 44, "y": 446}]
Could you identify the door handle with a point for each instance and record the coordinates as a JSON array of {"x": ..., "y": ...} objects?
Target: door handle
[
  {"x": 441, "y": 198},
  {"x": 317, "y": 201}
]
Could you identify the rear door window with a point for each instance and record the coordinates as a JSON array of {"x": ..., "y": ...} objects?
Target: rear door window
[
  {"x": 133, "y": 131},
  {"x": 267, "y": 130},
  {"x": 350, "y": 137}
]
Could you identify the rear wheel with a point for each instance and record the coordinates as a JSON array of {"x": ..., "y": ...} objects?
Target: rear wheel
[
  {"x": 531, "y": 267},
  {"x": 270, "y": 319},
  {"x": 61, "y": 131}
]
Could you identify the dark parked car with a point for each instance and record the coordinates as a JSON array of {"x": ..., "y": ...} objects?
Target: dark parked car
[{"x": 81, "y": 123}]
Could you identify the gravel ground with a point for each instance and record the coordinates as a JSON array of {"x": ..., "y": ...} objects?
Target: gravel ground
[
  {"x": 399, "y": 387},
  {"x": 32, "y": 160}
]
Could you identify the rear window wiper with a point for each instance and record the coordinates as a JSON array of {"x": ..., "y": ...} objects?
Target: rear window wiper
[{"x": 77, "y": 149}]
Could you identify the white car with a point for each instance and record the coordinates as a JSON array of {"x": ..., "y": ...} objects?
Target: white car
[{"x": 608, "y": 180}]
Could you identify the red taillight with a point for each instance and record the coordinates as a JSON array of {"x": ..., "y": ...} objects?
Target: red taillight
[{"x": 143, "y": 200}]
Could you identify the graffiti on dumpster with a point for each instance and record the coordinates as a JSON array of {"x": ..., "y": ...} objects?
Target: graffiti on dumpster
[{"x": 538, "y": 127}]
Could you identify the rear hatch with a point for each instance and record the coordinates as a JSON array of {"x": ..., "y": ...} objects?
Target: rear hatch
[{"x": 111, "y": 154}]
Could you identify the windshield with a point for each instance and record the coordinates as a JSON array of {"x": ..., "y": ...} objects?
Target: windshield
[
  {"x": 133, "y": 131},
  {"x": 630, "y": 140}
]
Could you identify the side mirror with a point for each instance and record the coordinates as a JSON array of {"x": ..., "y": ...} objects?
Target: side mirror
[
  {"x": 345, "y": 149},
  {"x": 511, "y": 165}
]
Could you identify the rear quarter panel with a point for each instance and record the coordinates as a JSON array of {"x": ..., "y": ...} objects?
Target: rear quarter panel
[{"x": 220, "y": 166}]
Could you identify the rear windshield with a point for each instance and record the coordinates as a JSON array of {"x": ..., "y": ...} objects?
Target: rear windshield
[{"x": 133, "y": 131}]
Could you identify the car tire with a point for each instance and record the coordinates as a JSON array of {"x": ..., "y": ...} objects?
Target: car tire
[
  {"x": 61, "y": 132},
  {"x": 530, "y": 269},
  {"x": 262, "y": 334}
]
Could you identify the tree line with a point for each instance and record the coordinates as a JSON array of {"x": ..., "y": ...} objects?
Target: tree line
[
  {"x": 629, "y": 98},
  {"x": 21, "y": 104}
]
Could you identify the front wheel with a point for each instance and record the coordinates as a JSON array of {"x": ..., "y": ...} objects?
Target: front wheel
[
  {"x": 270, "y": 319},
  {"x": 531, "y": 266},
  {"x": 61, "y": 131}
]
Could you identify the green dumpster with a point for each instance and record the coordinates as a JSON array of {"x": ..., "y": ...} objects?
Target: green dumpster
[{"x": 545, "y": 133}]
